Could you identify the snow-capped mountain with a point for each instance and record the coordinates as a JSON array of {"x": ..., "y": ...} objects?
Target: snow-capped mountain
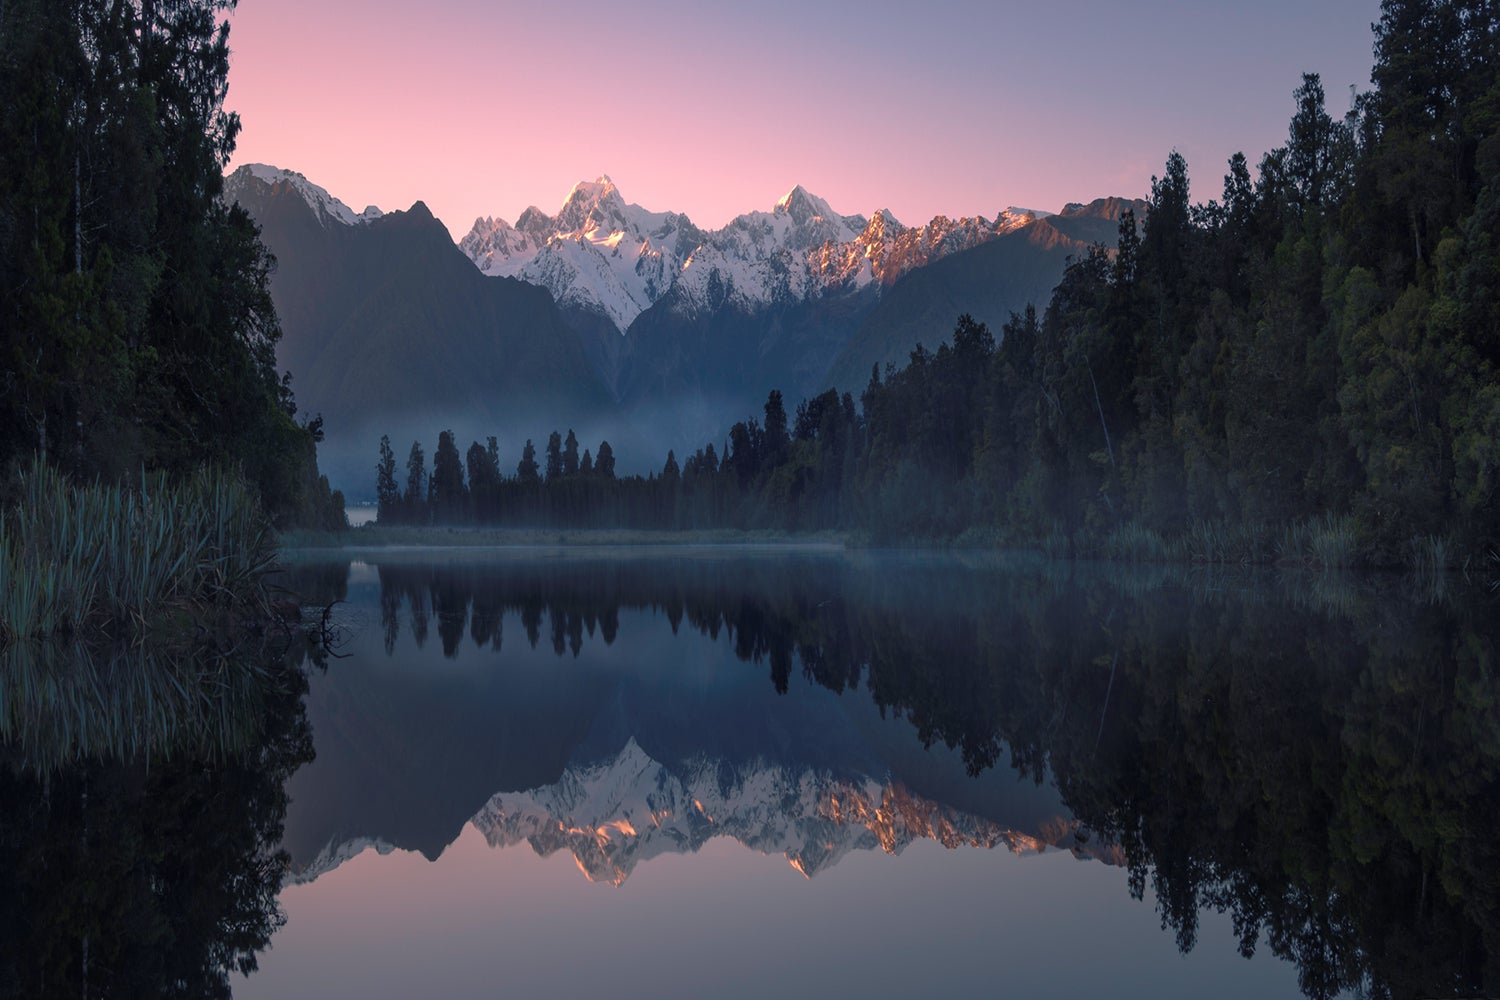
[
  {"x": 614, "y": 814},
  {"x": 679, "y": 331},
  {"x": 602, "y": 254},
  {"x": 326, "y": 208},
  {"x": 335, "y": 854},
  {"x": 598, "y": 251}
]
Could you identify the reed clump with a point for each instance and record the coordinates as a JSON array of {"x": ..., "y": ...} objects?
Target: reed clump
[
  {"x": 117, "y": 560},
  {"x": 1331, "y": 542}
]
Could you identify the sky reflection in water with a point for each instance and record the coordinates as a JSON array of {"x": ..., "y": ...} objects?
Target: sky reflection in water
[{"x": 631, "y": 727}]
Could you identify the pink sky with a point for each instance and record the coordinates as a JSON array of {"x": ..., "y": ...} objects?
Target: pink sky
[{"x": 483, "y": 108}]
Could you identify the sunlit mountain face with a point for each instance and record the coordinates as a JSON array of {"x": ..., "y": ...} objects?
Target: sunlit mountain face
[
  {"x": 601, "y": 253},
  {"x": 1237, "y": 743},
  {"x": 614, "y": 816}
]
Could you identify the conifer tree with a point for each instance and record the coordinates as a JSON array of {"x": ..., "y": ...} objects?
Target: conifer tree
[
  {"x": 527, "y": 471},
  {"x": 415, "y": 499},
  {"x": 447, "y": 496},
  {"x": 387, "y": 493}
]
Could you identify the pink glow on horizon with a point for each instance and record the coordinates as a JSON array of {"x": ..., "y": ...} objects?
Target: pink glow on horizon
[{"x": 485, "y": 108}]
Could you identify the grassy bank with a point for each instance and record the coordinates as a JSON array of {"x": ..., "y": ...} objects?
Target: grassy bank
[{"x": 122, "y": 561}]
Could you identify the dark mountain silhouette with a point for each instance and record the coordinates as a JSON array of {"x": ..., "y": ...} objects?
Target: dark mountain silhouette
[{"x": 388, "y": 328}]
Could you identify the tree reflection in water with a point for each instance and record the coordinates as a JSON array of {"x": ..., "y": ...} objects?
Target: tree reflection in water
[
  {"x": 141, "y": 809},
  {"x": 1314, "y": 755}
]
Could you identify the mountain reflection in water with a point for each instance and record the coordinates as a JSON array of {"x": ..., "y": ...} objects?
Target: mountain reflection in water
[{"x": 1314, "y": 756}]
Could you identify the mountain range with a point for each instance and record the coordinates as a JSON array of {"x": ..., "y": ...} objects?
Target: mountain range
[
  {"x": 613, "y": 814},
  {"x": 617, "y": 320}
]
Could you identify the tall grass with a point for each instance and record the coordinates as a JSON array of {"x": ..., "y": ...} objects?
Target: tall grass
[
  {"x": 1328, "y": 543},
  {"x": 1214, "y": 543},
  {"x": 117, "y": 559}
]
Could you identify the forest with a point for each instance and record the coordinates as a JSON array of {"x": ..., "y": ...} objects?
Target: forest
[
  {"x": 1301, "y": 369},
  {"x": 137, "y": 332}
]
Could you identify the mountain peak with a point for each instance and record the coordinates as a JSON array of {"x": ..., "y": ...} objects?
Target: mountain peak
[
  {"x": 591, "y": 190},
  {"x": 592, "y": 205},
  {"x": 803, "y": 206},
  {"x": 1105, "y": 208},
  {"x": 324, "y": 205},
  {"x": 797, "y": 193},
  {"x": 535, "y": 222},
  {"x": 883, "y": 224}
]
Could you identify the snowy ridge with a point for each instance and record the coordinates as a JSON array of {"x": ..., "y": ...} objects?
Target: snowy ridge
[
  {"x": 613, "y": 815},
  {"x": 334, "y": 854},
  {"x": 600, "y": 253},
  {"x": 326, "y": 208}
]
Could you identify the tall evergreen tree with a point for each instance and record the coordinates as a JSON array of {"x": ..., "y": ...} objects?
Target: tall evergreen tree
[
  {"x": 447, "y": 496},
  {"x": 570, "y": 454},
  {"x": 415, "y": 499},
  {"x": 554, "y": 457},
  {"x": 527, "y": 471},
  {"x": 777, "y": 439},
  {"x": 387, "y": 492}
]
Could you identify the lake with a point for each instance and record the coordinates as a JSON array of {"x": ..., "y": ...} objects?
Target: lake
[{"x": 689, "y": 772}]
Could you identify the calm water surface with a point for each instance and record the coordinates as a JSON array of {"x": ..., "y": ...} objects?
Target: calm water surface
[{"x": 727, "y": 772}]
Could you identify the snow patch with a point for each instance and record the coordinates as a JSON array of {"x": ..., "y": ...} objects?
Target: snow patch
[{"x": 325, "y": 206}]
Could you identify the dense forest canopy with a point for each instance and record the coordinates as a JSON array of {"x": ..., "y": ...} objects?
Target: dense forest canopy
[
  {"x": 1301, "y": 367},
  {"x": 136, "y": 326}
]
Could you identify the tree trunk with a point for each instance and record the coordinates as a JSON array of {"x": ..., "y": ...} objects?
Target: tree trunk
[{"x": 1100, "y": 406}]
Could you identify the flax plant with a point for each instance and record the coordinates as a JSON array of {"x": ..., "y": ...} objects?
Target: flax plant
[{"x": 118, "y": 559}]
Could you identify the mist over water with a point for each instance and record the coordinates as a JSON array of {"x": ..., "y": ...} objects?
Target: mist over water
[
  {"x": 1031, "y": 776},
  {"x": 696, "y": 721},
  {"x": 640, "y": 436}
]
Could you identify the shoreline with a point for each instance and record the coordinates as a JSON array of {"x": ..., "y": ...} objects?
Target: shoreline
[{"x": 371, "y": 537}]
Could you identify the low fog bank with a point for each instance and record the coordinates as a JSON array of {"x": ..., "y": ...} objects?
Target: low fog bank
[
  {"x": 348, "y": 456},
  {"x": 640, "y": 438}
]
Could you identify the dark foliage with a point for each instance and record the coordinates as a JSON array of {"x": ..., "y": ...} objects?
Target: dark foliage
[{"x": 136, "y": 325}]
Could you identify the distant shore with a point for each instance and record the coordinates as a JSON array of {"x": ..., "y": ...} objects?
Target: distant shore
[{"x": 404, "y": 536}]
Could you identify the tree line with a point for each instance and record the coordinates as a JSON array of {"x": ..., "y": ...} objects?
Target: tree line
[{"x": 1301, "y": 368}]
